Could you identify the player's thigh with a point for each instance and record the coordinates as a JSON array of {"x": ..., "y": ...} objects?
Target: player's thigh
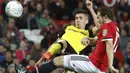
[
  {"x": 59, "y": 61},
  {"x": 73, "y": 61},
  {"x": 80, "y": 63},
  {"x": 63, "y": 61}
]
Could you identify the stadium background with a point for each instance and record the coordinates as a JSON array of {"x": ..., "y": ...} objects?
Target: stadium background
[{"x": 25, "y": 39}]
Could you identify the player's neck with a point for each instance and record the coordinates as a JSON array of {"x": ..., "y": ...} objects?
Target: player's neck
[{"x": 107, "y": 21}]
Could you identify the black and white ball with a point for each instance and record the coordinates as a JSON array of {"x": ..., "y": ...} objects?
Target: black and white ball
[{"x": 14, "y": 9}]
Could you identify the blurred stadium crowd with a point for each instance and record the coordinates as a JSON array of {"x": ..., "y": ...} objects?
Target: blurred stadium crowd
[{"x": 25, "y": 39}]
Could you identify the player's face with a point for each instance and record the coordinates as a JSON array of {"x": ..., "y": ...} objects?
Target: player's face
[
  {"x": 81, "y": 20},
  {"x": 100, "y": 19}
]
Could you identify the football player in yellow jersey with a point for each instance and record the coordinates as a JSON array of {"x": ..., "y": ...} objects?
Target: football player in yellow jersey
[{"x": 70, "y": 41}]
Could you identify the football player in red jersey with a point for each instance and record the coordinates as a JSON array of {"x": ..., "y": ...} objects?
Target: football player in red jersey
[
  {"x": 102, "y": 57},
  {"x": 108, "y": 38}
]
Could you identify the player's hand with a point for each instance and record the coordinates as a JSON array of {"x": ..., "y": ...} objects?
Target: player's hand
[
  {"x": 85, "y": 41},
  {"x": 89, "y": 4},
  {"x": 113, "y": 70}
]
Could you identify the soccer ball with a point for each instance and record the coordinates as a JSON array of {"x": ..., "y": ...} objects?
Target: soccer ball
[{"x": 14, "y": 9}]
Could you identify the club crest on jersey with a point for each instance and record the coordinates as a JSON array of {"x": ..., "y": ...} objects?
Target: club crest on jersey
[{"x": 104, "y": 32}]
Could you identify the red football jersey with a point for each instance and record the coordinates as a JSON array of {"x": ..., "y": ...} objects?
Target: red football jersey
[{"x": 108, "y": 31}]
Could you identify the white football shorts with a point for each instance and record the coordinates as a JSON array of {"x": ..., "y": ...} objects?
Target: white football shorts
[{"x": 80, "y": 64}]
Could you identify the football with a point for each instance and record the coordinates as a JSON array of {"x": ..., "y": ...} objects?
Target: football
[{"x": 14, "y": 9}]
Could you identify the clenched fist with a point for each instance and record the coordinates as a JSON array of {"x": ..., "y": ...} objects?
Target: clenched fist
[
  {"x": 89, "y": 4},
  {"x": 85, "y": 41}
]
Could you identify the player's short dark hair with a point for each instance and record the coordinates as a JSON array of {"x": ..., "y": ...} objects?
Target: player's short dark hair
[
  {"x": 81, "y": 11},
  {"x": 106, "y": 11}
]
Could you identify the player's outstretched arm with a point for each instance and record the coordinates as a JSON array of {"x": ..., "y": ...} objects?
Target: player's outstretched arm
[
  {"x": 93, "y": 41},
  {"x": 89, "y": 41},
  {"x": 110, "y": 54},
  {"x": 89, "y": 5}
]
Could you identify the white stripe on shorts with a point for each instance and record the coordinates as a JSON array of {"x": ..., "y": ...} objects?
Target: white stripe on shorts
[{"x": 80, "y": 64}]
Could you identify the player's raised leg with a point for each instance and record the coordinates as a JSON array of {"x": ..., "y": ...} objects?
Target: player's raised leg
[{"x": 44, "y": 68}]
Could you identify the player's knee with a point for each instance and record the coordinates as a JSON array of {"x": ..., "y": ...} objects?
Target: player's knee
[
  {"x": 63, "y": 42},
  {"x": 59, "y": 61}
]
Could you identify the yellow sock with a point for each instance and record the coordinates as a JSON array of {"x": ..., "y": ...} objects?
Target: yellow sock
[{"x": 54, "y": 48}]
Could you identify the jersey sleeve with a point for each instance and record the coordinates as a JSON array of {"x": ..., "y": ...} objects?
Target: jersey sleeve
[{"x": 106, "y": 33}]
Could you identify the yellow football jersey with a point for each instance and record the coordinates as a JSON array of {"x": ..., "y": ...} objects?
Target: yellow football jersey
[{"x": 74, "y": 36}]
